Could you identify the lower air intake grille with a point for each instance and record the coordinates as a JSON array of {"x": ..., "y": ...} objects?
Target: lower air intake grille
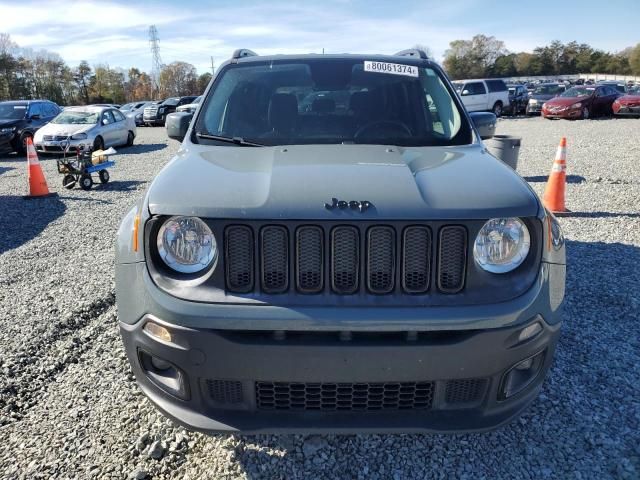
[
  {"x": 344, "y": 396},
  {"x": 465, "y": 391},
  {"x": 225, "y": 391},
  {"x": 452, "y": 259},
  {"x": 239, "y": 255}
]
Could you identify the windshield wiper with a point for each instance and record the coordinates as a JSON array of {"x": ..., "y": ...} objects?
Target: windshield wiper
[{"x": 237, "y": 140}]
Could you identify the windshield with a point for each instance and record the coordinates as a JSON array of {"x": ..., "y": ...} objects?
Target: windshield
[
  {"x": 171, "y": 101},
  {"x": 328, "y": 101},
  {"x": 11, "y": 111},
  {"x": 127, "y": 106},
  {"x": 548, "y": 90},
  {"x": 76, "y": 117},
  {"x": 197, "y": 99},
  {"x": 578, "y": 92}
]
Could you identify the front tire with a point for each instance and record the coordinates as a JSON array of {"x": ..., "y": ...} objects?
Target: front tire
[
  {"x": 86, "y": 182},
  {"x": 130, "y": 138},
  {"x": 98, "y": 144},
  {"x": 104, "y": 176},
  {"x": 68, "y": 181},
  {"x": 497, "y": 109},
  {"x": 585, "y": 113},
  {"x": 21, "y": 147}
]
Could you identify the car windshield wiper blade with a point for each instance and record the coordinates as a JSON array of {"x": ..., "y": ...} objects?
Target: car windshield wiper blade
[{"x": 236, "y": 140}]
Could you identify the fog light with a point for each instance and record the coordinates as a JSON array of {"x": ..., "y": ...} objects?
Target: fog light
[
  {"x": 530, "y": 331},
  {"x": 164, "y": 375},
  {"x": 157, "y": 331},
  {"x": 521, "y": 375},
  {"x": 160, "y": 364}
]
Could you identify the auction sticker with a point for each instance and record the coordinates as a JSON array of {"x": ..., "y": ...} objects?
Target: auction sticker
[{"x": 392, "y": 68}]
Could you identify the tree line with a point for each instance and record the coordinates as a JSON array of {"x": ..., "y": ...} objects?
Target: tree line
[
  {"x": 28, "y": 74},
  {"x": 484, "y": 56}
]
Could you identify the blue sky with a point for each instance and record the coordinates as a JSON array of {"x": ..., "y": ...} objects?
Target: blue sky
[{"x": 116, "y": 32}]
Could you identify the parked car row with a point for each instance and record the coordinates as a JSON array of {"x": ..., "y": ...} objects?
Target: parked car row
[
  {"x": 156, "y": 114},
  {"x": 490, "y": 95}
]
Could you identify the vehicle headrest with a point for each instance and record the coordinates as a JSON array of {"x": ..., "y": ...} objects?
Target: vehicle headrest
[{"x": 283, "y": 111}]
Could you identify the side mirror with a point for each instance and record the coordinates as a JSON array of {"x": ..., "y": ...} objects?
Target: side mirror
[
  {"x": 465, "y": 93},
  {"x": 485, "y": 123},
  {"x": 178, "y": 125},
  {"x": 35, "y": 116}
]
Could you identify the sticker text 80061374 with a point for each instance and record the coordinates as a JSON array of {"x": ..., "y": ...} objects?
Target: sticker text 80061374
[{"x": 392, "y": 68}]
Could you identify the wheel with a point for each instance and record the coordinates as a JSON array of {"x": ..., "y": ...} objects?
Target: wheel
[
  {"x": 98, "y": 144},
  {"x": 130, "y": 138},
  {"x": 585, "y": 113},
  {"x": 497, "y": 109},
  {"x": 22, "y": 143},
  {"x": 68, "y": 181},
  {"x": 163, "y": 122},
  {"x": 104, "y": 176},
  {"x": 86, "y": 182}
]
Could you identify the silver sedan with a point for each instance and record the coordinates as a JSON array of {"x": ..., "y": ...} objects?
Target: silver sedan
[{"x": 90, "y": 127}]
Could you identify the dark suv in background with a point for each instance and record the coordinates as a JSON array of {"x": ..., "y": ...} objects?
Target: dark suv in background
[
  {"x": 157, "y": 114},
  {"x": 20, "y": 119}
]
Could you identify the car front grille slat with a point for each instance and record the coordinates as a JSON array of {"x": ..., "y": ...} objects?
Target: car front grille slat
[
  {"x": 416, "y": 259},
  {"x": 345, "y": 259},
  {"x": 344, "y": 396},
  {"x": 239, "y": 248},
  {"x": 381, "y": 259},
  {"x": 452, "y": 258},
  {"x": 309, "y": 259}
]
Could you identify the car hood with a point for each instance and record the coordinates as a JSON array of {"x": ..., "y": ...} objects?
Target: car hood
[
  {"x": 63, "y": 129},
  {"x": 542, "y": 96},
  {"x": 566, "y": 101},
  {"x": 9, "y": 123},
  {"x": 629, "y": 98},
  {"x": 295, "y": 182}
]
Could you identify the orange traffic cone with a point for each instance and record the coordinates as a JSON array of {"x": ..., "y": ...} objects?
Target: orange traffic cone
[
  {"x": 37, "y": 183},
  {"x": 553, "y": 197}
]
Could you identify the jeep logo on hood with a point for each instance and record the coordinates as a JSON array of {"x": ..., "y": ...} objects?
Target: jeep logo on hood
[{"x": 361, "y": 206}]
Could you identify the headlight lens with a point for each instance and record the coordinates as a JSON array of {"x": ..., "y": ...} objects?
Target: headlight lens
[
  {"x": 7, "y": 130},
  {"x": 533, "y": 101},
  {"x": 186, "y": 244},
  {"x": 502, "y": 245},
  {"x": 576, "y": 105},
  {"x": 79, "y": 136}
]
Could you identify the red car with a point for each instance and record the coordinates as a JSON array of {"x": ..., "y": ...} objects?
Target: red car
[
  {"x": 628, "y": 104},
  {"x": 583, "y": 101}
]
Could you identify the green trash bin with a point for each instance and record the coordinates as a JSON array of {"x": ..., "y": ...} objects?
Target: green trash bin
[{"x": 505, "y": 148}]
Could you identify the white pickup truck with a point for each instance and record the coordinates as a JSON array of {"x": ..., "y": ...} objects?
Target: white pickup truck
[{"x": 483, "y": 95}]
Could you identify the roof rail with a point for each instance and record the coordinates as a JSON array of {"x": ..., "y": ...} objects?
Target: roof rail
[
  {"x": 243, "y": 52},
  {"x": 413, "y": 52}
]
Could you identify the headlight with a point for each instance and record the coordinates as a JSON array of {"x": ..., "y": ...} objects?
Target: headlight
[
  {"x": 7, "y": 130},
  {"x": 79, "y": 136},
  {"x": 533, "y": 101},
  {"x": 576, "y": 105},
  {"x": 161, "y": 109},
  {"x": 502, "y": 245},
  {"x": 186, "y": 244}
]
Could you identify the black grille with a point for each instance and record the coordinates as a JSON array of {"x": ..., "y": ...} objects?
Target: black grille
[
  {"x": 345, "y": 259},
  {"x": 416, "y": 259},
  {"x": 344, "y": 396},
  {"x": 48, "y": 138},
  {"x": 452, "y": 258},
  {"x": 465, "y": 391},
  {"x": 275, "y": 259},
  {"x": 239, "y": 247},
  {"x": 225, "y": 391},
  {"x": 312, "y": 259},
  {"x": 309, "y": 259},
  {"x": 381, "y": 259}
]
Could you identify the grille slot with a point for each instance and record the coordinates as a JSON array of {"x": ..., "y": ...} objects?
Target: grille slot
[
  {"x": 381, "y": 256},
  {"x": 225, "y": 391},
  {"x": 275, "y": 259},
  {"x": 416, "y": 259},
  {"x": 345, "y": 259},
  {"x": 239, "y": 247},
  {"x": 452, "y": 258},
  {"x": 344, "y": 396},
  {"x": 465, "y": 391},
  {"x": 309, "y": 259}
]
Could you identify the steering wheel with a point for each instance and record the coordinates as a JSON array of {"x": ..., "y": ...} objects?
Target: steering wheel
[{"x": 384, "y": 126}]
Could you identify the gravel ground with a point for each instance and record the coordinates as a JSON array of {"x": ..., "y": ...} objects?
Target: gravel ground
[{"x": 69, "y": 407}]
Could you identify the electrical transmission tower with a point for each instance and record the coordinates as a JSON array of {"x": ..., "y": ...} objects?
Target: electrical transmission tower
[{"x": 156, "y": 65}]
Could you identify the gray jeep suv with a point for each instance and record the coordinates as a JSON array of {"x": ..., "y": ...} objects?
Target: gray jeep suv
[{"x": 333, "y": 249}]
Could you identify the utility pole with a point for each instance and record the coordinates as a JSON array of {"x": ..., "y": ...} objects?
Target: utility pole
[
  {"x": 213, "y": 68},
  {"x": 156, "y": 61}
]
